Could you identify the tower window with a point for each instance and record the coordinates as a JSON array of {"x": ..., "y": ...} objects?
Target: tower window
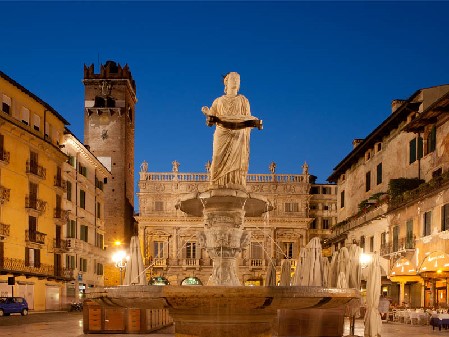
[{"x": 99, "y": 102}]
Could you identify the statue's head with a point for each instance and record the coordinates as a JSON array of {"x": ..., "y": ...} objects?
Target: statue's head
[{"x": 231, "y": 80}]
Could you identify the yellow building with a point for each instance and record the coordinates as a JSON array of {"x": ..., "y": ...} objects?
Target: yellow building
[{"x": 31, "y": 194}]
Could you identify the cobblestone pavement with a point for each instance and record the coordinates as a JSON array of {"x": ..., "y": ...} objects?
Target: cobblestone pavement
[{"x": 64, "y": 324}]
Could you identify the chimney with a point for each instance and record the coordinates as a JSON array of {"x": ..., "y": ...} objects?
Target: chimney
[
  {"x": 356, "y": 142},
  {"x": 396, "y": 103}
]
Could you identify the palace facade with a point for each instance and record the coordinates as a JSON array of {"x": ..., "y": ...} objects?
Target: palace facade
[{"x": 302, "y": 209}]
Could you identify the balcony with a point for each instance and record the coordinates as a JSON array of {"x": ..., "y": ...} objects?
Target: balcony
[
  {"x": 159, "y": 262},
  {"x": 35, "y": 237},
  {"x": 18, "y": 267},
  {"x": 256, "y": 263},
  {"x": 399, "y": 246},
  {"x": 4, "y": 230},
  {"x": 36, "y": 170},
  {"x": 61, "y": 214},
  {"x": 190, "y": 263},
  {"x": 4, "y": 157},
  {"x": 59, "y": 245},
  {"x": 365, "y": 216},
  {"x": 292, "y": 262},
  {"x": 31, "y": 202},
  {"x": 430, "y": 187},
  {"x": 60, "y": 183},
  {"x": 4, "y": 194}
]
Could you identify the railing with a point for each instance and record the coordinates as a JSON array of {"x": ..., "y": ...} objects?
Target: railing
[
  {"x": 60, "y": 213},
  {"x": 4, "y": 156},
  {"x": 256, "y": 263},
  {"x": 16, "y": 266},
  {"x": 36, "y": 204},
  {"x": 400, "y": 245},
  {"x": 191, "y": 262},
  {"x": 61, "y": 183},
  {"x": 359, "y": 220},
  {"x": 60, "y": 244},
  {"x": 35, "y": 169},
  {"x": 159, "y": 262},
  {"x": 35, "y": 236},
  {"x": 204, "y": 177},
  {"x": 4, "y": 230},
  {"x": 423, "y": 189},
  {"x": 4, "y": 194}
]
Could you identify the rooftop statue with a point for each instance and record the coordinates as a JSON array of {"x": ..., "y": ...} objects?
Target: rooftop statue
[{"x": 232, "y": 116}]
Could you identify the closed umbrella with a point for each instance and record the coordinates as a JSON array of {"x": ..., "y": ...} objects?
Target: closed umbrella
[
  {"x": 355, "y": 267},
  {"x": 296, "y": 281},
  {"x": 286, "y": 273},
  {"x": 343, "y": 264},
  {"x": 311, "y": 272},
  {"x": 373, "y": 322},
  {"x": 270, "y": 280},
  {"x": 135, "y": 270},
  {"x": 332, "y": 276},
  {"x": 325, "y": 271}
]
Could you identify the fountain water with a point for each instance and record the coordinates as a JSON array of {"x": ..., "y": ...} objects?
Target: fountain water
[{"x": 224, "y": 307}]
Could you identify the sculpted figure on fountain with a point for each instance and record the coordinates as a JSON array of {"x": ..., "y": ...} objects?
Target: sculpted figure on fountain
[{"x": 232, "y": 116}]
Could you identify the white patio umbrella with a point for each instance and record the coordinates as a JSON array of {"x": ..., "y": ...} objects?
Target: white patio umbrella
[
  {"x": 311, "y": 274},
  {"x": 343, "y": 264},
  {"x": 286, "y": 273},
  {"x": 270, "y": 280},
  {"x": 135, "y": 269},
  {"x": 296, "y": 281},
  {"x": 325, "y": 271},
  {"x": 355, "y": 270},
  {"x": 373, "y": 322},
  {"x": 332, "y": 276}
]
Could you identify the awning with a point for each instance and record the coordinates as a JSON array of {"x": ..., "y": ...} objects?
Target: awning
[
  {"x": 403, "y": 267},
  {"x": 437, "y": 261}
]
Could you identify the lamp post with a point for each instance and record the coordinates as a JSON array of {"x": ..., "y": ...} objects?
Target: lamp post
[{"x": 120, "y": 259}]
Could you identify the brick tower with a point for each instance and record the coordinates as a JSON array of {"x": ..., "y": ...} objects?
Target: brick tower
[{"x": 110, "y": 99}]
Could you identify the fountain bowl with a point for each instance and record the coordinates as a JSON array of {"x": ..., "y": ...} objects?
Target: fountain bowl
[{"x": 218, "y": 311}]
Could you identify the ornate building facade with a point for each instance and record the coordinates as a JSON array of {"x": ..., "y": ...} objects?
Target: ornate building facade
[
  {"x": 393, "y": 198},
  {"x": 31, "y": 193},
  {"x": 168, "y": 235},
  {"x": 51, "y": 204}
]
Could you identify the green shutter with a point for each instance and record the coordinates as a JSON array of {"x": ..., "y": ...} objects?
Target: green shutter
[{"x": 412, "y": 148}]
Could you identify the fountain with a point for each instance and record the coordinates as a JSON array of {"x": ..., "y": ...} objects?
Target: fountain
[{"x": 224, "y": 307}]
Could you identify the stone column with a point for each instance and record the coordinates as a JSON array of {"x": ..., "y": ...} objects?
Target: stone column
[
  {"x": 432, "y": 292},
  {"x": 401, "y": 292},
  {"x": 423, "y": 292}
]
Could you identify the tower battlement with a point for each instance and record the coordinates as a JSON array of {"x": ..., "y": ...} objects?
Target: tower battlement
[{"x": 110, "y": 70}]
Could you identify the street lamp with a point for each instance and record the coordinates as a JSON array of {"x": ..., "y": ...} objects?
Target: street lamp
[{"x": 120, "y": 259}]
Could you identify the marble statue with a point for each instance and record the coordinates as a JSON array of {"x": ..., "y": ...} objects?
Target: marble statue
[
  {"x": 232, "y": 116},
  {"x": 175, "y": 166},
  {"x": 144, "y": 166}
]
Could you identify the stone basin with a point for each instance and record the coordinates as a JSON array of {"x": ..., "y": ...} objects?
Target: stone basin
[
  {"x": 194, "y": 203},
  {"x": 218, "y": 311}
]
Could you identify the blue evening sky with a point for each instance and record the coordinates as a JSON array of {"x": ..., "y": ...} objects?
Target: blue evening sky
[{"x": 319, "y": 74}]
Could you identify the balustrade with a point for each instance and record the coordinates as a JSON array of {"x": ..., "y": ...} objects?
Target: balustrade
[
  {"x": 4, "y": 230},
  {"x": 61, "y": 183},
  {"x": 35, "y": 169},
  {"x": 203, "y": 177},
  {"x": 4, "y": 194},
  {"x": 4, "y": 156},
  {"x": 15, "y": 266},
  {"x": 191, "y": 262},
  {"x": 257, "y": 263},
  {"x": 35, "y": 236},
  {"x": 159, "y": 262},
  {"x": 34, "y": 203}
]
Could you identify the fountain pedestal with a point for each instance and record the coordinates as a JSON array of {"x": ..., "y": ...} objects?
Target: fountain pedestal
[{"x": 223, "y": 237}]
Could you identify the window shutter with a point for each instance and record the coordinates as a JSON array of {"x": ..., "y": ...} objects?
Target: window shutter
[
  {"x": 27, "y": 256},
  {"x": 420, "y": 147},
  {"x": 37, "y": 258},
  {"x": 412, "y": 150}
]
